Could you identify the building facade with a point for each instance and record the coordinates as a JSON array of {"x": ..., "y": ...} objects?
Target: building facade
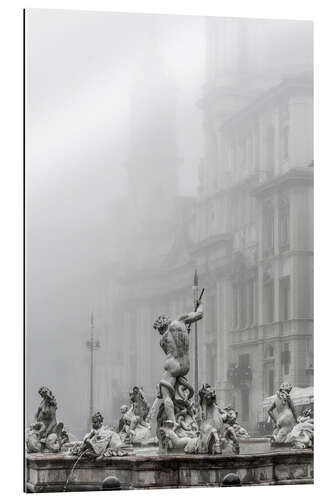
[
  {"x": 248, "y": 232},
  {"x": 257, "y": 196},
  {"x": 254, "y": 213}
]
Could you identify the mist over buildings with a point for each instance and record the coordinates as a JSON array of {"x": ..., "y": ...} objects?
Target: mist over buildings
[{"x": 118, "y": 159}]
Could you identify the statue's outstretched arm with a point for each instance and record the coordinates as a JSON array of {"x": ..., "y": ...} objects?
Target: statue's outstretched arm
[{"x": 193, "y": 316}]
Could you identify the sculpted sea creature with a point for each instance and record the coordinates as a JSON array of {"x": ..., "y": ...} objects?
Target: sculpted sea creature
[
  {"x": 302, "y": 434},
  {"x": 216, "y": 434}
]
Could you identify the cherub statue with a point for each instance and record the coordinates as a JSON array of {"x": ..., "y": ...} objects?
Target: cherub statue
[{"x": 286, "y": 416}]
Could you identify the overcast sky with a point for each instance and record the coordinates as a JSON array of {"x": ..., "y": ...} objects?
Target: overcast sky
[{"x": 80, "y": 70}]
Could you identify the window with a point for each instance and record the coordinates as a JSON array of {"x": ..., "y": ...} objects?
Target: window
[
  {"x": 285, "y": 358},
  {"x": 284, "y": 298},
  {"x": 250, "y": 288},
  {"x": 284, "y": 224},
  {"x": 268, "y": 228},
  {"x": 243, "y": 304},
  {"x": 271, "y": 382},
  {"x": 268, "y": 302}
]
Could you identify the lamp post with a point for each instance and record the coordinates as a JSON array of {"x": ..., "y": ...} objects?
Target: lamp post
[
  {"x": 92, "y": 345},
  {"x": 196, "y": 361}
]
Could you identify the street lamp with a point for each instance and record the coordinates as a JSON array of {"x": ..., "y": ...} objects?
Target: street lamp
[{"x": 92, "y": 345}]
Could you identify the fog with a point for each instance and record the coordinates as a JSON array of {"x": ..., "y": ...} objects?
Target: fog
[
  {"x": 81, "y": 70},
  {"x": 95, "y": 84}
]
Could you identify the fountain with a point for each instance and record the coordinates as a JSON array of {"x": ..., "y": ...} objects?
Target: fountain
[{"x": 193, "y": 449}]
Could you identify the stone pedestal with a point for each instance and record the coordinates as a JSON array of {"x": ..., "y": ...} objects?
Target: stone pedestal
[{"x": 48, "y": 472}]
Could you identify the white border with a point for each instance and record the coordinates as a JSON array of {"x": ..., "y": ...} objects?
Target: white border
[{"x": 11, "y": 228}]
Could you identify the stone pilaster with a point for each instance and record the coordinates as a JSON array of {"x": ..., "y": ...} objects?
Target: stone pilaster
[{"x": 224, "y": 319}]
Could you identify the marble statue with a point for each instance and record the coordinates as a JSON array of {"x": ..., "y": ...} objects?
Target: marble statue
[
  {"x": 46, "y": 434},
  {"x": 100, "y": 442},
  {"x": 231, "y": 439},
  {"x": 301, "y": 436},
  {"x": 134, "y": 427},
  {"x": 284, "y": 416},
  {"x": 232, "y": 415},
  {"x": 216, "y": 434},
  {"x": 123, "y": 421},
  {"x": 212, "y": 423},
  {"x": 176, "y": 411}
]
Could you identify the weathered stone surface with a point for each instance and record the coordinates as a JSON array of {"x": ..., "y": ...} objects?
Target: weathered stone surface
[
  {"x": 100, "y": 441},
  {"x": 282, "y": 413},
  {"x": 46, "y": 434},
  {"x": 134, "y": 426},
  {"x": 302, "y": 434},
  {"x": 176, "y": 419},
  {"x": 50, "y": 472}
]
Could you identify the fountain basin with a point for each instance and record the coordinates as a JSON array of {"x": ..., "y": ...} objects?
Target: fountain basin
[{"x": 49, "y": 472}]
